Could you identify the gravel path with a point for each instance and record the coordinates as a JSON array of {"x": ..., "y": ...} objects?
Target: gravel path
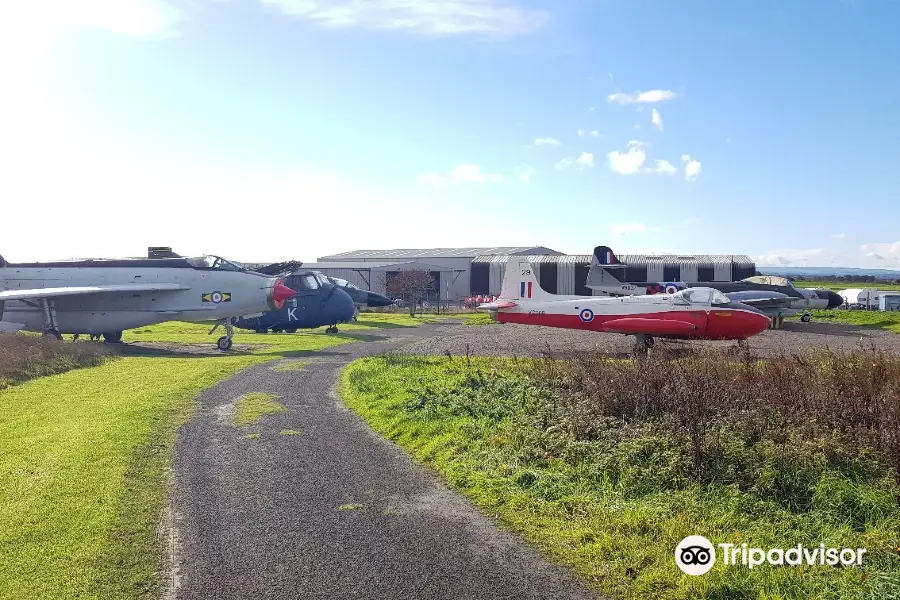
[
  {"x": 334, "y": 512},
  {"x": 510, "y": 339}
]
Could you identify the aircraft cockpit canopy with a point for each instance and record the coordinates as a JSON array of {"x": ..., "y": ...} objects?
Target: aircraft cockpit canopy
[
  {"x": 213, "y": 262},
  {"x": 701, "y": 296},
  {"x": 343, "y": 283}
]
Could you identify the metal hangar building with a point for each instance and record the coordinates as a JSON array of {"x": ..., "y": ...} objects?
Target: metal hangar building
[{"x": 462, "y": 272}]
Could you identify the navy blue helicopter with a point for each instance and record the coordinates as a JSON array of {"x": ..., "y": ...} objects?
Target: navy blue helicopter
[{"x": 318, "y": 302}]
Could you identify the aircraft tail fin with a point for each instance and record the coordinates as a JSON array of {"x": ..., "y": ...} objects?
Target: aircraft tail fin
[
  {"x": 3, "y": 262},
  {"x": 519, "y": 282},
  {"x": 603, "y": 255}
]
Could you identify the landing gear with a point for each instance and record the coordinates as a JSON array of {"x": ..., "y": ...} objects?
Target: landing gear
[
  {"x": 332, "y": 329},
  {"x": 806, "y": 318},
  {"x": 642, "y": 344},
  {"x": 262, "y": 330},
  {"x": 224, "y": 342},
  {"x": 291, "y": 330},
  {"x": 113, "y": 337},
  {"x": 777, "y": 322},
  {"x": 51, "y": 327}
]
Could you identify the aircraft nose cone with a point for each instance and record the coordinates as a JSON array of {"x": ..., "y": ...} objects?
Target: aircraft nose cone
[
  {"x": 280, "y": 293},
  {"x": 342, "y": 307},
  {"x": 374, "y": 300}
]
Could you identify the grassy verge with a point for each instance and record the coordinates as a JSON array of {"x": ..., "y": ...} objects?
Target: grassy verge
[
  {"x": 837, "y": 286},
  {"x": 868, "y": 318},
  {"x": 24, "y": 357},
  {"x": 608, "y": 482},
  {"x": 83, "y": 461}
]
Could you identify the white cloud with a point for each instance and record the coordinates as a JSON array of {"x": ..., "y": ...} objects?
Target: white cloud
[
  {"x": 631, "y": 227},
  {"x": 585, "y": 160},
  {"x": 888, "y": 251},
  {"x": 657, "y": 119},
  {"x": 875, "y": 256},
  {"x": 546, "y": 142},
  {"x": 650, "y": 96},
  {"x": 629, "y": 162},
  {"x": 434, "y": 18},
  {"x": 692, "y": 167},
  {"x": 525, "y": 177},
  {"x": 593, "y": 134},
  {"x": 840, "y": 236},
  {"x": 663, "y": 167},
  {"x": 459, "y": 175}
]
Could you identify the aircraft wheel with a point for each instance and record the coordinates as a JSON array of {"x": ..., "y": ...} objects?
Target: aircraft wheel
[
  {"x": 332, "y": 329},
  {"x": 52, "y": 334},
  {"x": 113, "y": 337},
  {"x": 291, "y": 330},
  {"x": 224, "y": 343},
  {"x": 806, "y": 318},
  {"x": 649, "y": 341},
  {"x": 262, "y": 330}
]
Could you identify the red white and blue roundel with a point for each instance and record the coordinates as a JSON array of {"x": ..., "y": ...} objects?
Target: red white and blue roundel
[
  {"x": 586, "y": 315},
  {"x": 671, "y": 288}
]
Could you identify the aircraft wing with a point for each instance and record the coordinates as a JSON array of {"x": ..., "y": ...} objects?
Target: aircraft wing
[
  {"x": 55, "y": 292},
  {"x": 498, "y": 304},
  {"x": 636, "y": 325},
  {"x": 762, "y": 299}
]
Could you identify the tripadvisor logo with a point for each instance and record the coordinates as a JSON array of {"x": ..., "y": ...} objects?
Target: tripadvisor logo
[{"x": 696, "y": 555}]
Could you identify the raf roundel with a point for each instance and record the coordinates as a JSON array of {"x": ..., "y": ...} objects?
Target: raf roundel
[
  {"x": 216, "y": 297},
  {"x": 671, "y": 288},
  {"x": 586, "y": 315}
]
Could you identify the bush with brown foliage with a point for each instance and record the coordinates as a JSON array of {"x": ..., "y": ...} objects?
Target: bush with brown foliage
[
  {"x": 24, "y": 357},
  {"x": 837, "y": 407}
]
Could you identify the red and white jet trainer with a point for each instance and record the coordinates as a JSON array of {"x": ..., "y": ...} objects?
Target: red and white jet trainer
[
  {"x": 695, "y": 313},
  {"x": 108, "y": 296}
]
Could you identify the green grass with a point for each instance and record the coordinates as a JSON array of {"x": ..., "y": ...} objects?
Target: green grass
[
  {"x": 83, "y": 463},
  {"x": 838, "y": 286},
  {"x": 870, "y": 318},
  {"x": 288, "y": 432},
  {"x": 291, "y": 365},
  {"x": 350, "y": 507},
  {"x": 306, "y": 340},
  {"x": 250, "y": 408},
  {"x": 620, "y": 534}
]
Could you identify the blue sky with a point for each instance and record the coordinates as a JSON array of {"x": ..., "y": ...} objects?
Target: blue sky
[{"x": 297, "y": 128}]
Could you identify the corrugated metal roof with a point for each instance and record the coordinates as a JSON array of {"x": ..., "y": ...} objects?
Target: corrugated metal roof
[
  {"x": 434, "y": 252},
  {"x": 377, "y": 265},
  {"x": 536, "y": 258},
  {"x": 636, "y": 260}
]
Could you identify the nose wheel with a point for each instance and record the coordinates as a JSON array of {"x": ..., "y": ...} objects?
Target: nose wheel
[
  {"x": 224, "y": 342},
  {"x": 332, "y": 329},
  {"x": 806, "y": 318}
]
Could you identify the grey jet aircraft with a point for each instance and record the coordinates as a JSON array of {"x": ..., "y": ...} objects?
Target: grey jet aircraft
[{"x": 108, "y": 296}]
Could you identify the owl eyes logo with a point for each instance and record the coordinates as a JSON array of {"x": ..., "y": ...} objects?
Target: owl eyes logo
[{"x": 695, "y": 555}]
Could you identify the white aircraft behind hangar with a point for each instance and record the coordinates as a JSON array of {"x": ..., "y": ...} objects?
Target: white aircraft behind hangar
[{"x": 108, "y": 296}]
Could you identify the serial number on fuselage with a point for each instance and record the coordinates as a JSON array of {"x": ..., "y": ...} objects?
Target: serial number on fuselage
[{"x": 535, "y": 312}]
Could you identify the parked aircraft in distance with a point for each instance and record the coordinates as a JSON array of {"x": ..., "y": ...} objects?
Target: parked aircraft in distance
[
  {"x": 757, "y": 290},
  {"x": 108, "y": 296},
  {"x": 360, "y": 296},
  {"x": 317, "y": 303},
  {"x": 696, "y": 313}
]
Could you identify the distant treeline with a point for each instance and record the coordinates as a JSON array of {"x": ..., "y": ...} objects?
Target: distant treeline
[{"x": 846, "y": 278}]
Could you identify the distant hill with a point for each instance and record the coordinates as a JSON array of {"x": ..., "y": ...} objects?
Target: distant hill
[{"x": 827, "y": 273}]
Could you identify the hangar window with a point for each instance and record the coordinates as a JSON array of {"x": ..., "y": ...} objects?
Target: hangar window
[{"x": 672, "y": 272}]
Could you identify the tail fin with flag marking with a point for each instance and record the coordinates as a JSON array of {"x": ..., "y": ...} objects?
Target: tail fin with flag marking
[
  {"x": 519, "y": 282},
  {"x": 603, "y": 255}
]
